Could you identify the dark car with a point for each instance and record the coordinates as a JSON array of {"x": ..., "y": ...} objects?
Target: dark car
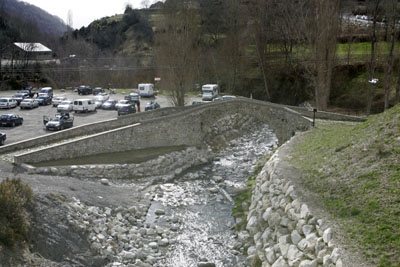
[
  {"x": 60, "y": 121},
  {"x": 3, "y": 138},
  {"x": 109, "y": 104},
  {"x": 98, "y": 90},
  {"x": 132, "y": 97},
  {"x": 10, "y": 120},
  {"x": 151, "y": 105},
  {"x": 84, "y": 90},
  {"x": 126, "y": 109},
  {"x": 19, "y": 97},
  {"x": 44, "y": 100},
  {"x": 29, "y": 91}
]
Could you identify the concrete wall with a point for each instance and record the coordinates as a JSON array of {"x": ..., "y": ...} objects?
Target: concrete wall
[{"x": 187, "y": 127}]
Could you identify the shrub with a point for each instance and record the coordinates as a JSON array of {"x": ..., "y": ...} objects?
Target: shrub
[{"x": 14, "y": 196}]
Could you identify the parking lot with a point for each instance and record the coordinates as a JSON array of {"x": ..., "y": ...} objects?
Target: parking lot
[{"x": 33, "y": 119}]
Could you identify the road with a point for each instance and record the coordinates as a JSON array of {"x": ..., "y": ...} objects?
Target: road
[{"x": 33, "y": 119}]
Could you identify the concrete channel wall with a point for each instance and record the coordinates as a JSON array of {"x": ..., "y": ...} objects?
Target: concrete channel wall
[{"x": 187, "y": 127}]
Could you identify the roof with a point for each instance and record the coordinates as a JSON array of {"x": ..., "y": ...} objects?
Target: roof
[{"x": 33, "y": 47}]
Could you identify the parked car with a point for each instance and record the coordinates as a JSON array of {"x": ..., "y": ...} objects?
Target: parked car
[
  {"x": 7, "y": 102},
  {"x": 98, "y": 90},
  {"x": 109, "y": 104},
  {"x": 98, "y": 103},
  {"x": 102, "y": 97},
  {"x": 11, "y": 120},
  {"x": 151, "y": 105},
  {"x": 29, "y": 103},
  {"x": 65, "y": 106},
  {"x": 3, "y": 138},
  {"x": 200, "y": 102},
  {"x": 19, "y": 97},
  {"x": 84, "y": 90},
  {"x": 57, "y": 100},
  {"x": 31, "y": 93},
  {"x": 125, "y": 109},
  {"x": 225, "y": 97},
  {"x": 43, "y": 99},
  {"x": 60, "y": 121},
  {"x": 47, "y": 90},
  {"x": 133, "y": 97},
  {"x": 121, "y": 102}
]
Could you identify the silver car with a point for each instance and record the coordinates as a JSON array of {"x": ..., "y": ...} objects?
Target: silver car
[
  {"x": 65, "y": 106},
  {"x": 29, "y": 103},
  {"x": 7, "y": 102},
  {"x": 58, "y": 100}
]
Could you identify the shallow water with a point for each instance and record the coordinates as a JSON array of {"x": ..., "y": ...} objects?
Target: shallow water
[{"x": 204, "y": 217}]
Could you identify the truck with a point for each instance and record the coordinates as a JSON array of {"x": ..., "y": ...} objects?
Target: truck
[
  {"x": 146, "y": 89},
  {"x": 209, "y": 91}
]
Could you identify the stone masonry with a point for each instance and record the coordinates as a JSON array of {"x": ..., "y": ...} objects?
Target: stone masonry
[{"x": 283, "y": 231}]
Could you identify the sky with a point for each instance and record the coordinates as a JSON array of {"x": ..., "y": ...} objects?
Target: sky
[{"x": 84, "y": 11}]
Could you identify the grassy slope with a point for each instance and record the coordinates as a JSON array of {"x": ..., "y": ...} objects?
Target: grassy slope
[{"x": 356, "y": 171}]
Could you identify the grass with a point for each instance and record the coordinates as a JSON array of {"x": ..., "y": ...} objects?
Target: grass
[
  {"x": 363, "y": 48},
  {"x": 356, "y": 171},
  {"x": 239, "y": 211}
]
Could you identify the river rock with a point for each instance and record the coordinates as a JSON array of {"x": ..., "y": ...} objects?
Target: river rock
[
  {"x": 308, "y": 263},
  {"x": 214, "y": 190},
  {"x": 159, "y": 212},
  {"x": 327, "y": 236},
  {"x": 280, "y": 262},
  {"x": 105, "y": 181}
]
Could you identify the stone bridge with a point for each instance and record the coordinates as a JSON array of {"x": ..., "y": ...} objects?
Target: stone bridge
[{"x": 181, "y": 126}]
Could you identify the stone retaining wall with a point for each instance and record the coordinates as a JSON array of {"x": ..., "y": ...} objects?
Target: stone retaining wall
[
  {"x": 167, "y": 165},
  {"x": 283, "y": 230}
]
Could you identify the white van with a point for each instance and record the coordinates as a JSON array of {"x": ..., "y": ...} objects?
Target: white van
[
  {"x": 47, "y": 90},
  {"x": 146, "y": 89},
  {"x": 7, "y": 102},
  {"x": 210, "y": 91},
  {"x": 84, "y": 105}
]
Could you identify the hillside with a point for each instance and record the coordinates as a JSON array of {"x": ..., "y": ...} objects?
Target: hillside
[
  {"x": 355, "y": 171},
  {"x": 123, "y": 34},
  {"x": 47, "y": 23}
]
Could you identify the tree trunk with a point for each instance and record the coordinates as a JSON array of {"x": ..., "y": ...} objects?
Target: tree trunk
[
  {"x": 327, "y": 21},
  {"x": 389, "y": 67},
  {"x": 371, "y": 86}
]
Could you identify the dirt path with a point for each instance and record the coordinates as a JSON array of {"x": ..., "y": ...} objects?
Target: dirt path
[{"x": 287, "y": 166}]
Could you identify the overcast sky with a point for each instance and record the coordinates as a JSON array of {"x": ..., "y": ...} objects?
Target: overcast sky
[{"x": 84, "y": 11}]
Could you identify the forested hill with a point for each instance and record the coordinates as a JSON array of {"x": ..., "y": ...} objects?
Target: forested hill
[
  {"x": 24, "y": 14},
  {"x": 127, "y": 33}
]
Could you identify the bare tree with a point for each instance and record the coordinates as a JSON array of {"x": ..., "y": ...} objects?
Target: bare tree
[
  {"x": 374, "y": 8},
  {"x": 232, "y": 49},
  {"x": 317, "y": 27},
  {"x": 145, "y": 3},
  {"x": 258, "y": 10},
  {"x": 177, "y": 49},
  {"x": 391, "y": 12}
]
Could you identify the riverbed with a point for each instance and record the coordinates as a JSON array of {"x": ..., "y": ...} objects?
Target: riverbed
[{"x": 201, "y": 202}]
